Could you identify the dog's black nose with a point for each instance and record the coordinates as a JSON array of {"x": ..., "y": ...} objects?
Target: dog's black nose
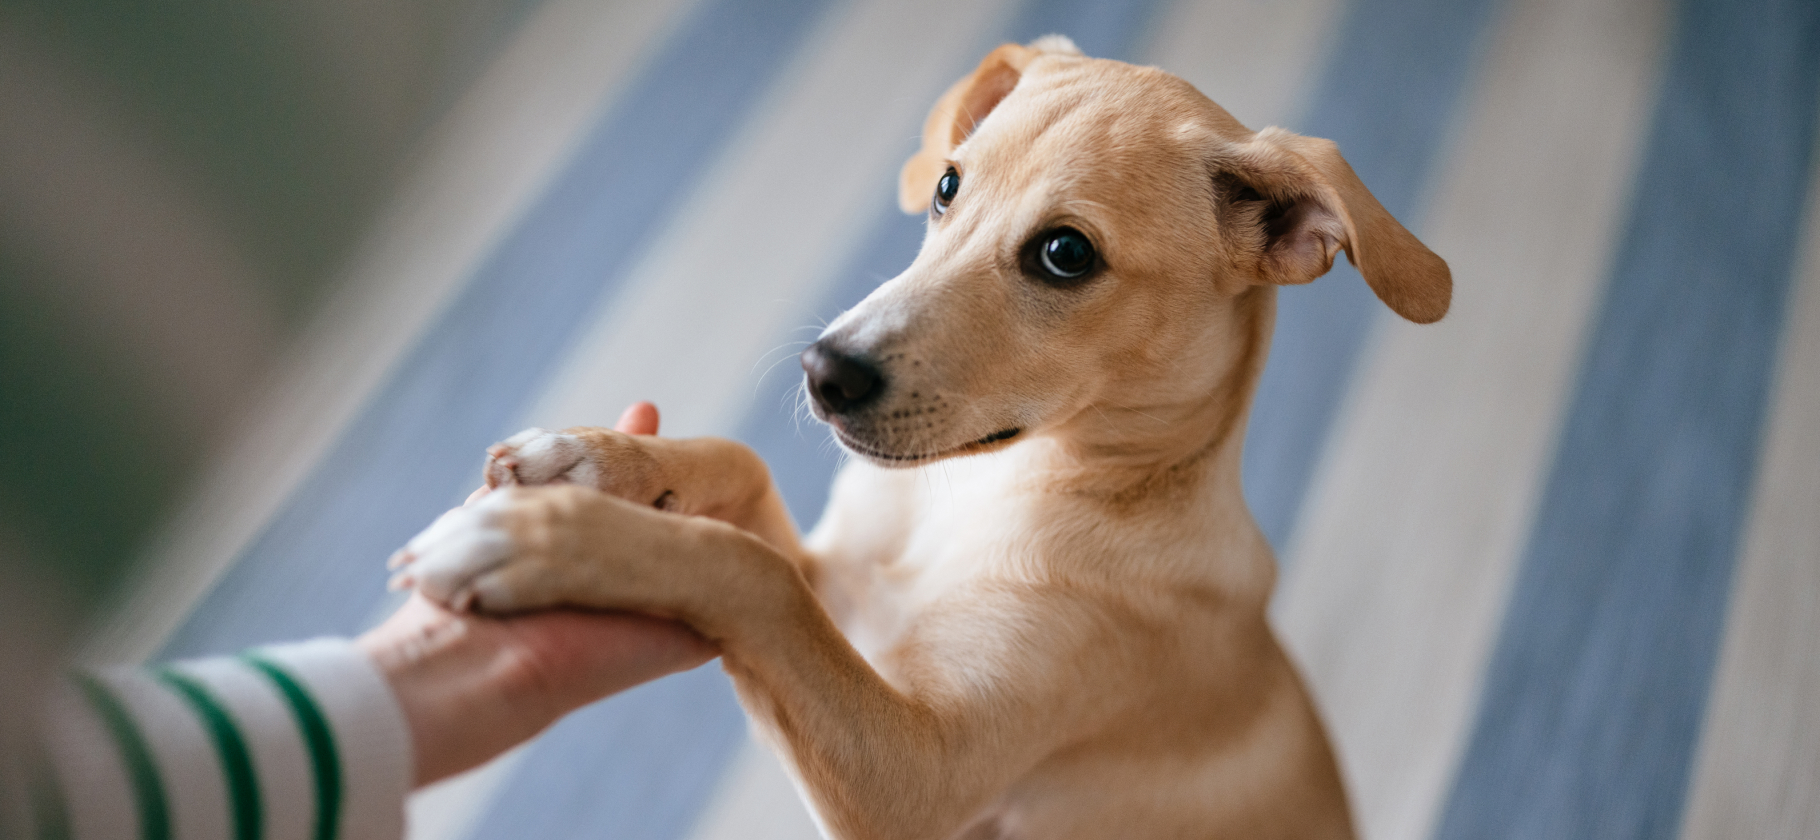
[{"x": 839, "y": 382}]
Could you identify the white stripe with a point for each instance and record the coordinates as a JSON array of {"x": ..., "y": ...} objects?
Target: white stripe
[
  {"x": 287, "y": 790},
  {"x": 1757, "y": 773},
  {"x": 1255, "y": 59},
  {"x": 1396, "y": 583},
  {"x": 756, "y": 247},
  {"x": 371, "y": 736},
  {"x": 195, "y": 784},
  {"x": 87, "y": 761},
  {"x": 484, "y": 164}
]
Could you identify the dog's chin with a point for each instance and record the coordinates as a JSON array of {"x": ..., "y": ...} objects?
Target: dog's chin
[{"x": 887, "y": 457}]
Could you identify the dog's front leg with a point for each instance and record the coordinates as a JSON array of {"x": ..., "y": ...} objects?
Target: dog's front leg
[{"x": 879, "y": 762}]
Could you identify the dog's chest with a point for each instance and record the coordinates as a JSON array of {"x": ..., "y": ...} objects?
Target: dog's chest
[{"x": 951, "y": 528}]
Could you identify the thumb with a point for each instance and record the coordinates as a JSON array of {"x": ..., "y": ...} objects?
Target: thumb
[{"x": 639, "y": 419}]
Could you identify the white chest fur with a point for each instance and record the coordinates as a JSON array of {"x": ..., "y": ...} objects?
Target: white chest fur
[{"x": 896, "y": 541}]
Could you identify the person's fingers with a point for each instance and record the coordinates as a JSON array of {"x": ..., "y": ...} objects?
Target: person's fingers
[
  {"x": 640, "y": 418},
  {"x": 475, "y": 496}
]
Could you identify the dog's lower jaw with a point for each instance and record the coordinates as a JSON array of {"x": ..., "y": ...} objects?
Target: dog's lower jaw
[{"x": 992, "y": 442}]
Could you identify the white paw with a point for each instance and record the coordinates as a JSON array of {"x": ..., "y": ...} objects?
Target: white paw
[
  {"x": 540, "y": 456},
  {"x": 446, "y": 561}
]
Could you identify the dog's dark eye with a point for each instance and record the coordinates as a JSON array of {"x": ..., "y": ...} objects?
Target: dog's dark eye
[
  {"x": 945, "y": 190},
  {"x": 1065, "y": 254}
]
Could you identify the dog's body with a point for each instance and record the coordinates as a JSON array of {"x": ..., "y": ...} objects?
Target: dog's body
[{"x": 1064, "y": 638}]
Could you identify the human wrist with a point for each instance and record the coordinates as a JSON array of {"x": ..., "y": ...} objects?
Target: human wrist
[
  {"x": 471, "y": 686},
  {"x": 447, "y": 684}
]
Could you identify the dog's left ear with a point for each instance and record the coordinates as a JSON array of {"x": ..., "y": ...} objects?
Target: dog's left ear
[
  {"x": 961, "y": 109},
  {"x": 1299, "y": 203}
]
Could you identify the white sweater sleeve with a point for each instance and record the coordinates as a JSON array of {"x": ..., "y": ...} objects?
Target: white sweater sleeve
[{"x": 296, "y": 742}]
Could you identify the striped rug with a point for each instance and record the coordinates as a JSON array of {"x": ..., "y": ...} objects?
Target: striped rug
[{"x": 1552, "y": 566}]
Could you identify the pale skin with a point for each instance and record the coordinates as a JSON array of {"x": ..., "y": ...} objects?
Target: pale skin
[{"x": 472, "y": 686}]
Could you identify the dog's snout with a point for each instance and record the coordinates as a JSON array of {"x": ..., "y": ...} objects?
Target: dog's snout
[{"x": 840, "y": 382}]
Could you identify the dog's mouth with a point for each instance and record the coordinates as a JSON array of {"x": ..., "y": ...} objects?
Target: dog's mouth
[{"x": 996, "y": 440}]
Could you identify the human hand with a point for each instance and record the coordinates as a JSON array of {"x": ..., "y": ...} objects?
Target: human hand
[{"x": 473, "y": 686}]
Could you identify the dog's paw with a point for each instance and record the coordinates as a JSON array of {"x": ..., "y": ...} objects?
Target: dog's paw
[
  {"x": 527, "y": 548},
  {"x": 450, "y": 561},
  {"x": 540, "y": 456},
  {"x": 618, "y": 464}
]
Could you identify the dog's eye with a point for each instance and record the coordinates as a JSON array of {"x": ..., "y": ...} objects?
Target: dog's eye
[
  {"x": 1065, "y": 254},
  {"x": 945, "y": 190}
]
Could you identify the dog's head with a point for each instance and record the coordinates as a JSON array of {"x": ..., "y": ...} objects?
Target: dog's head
[{"x": 1095, "y": 230}]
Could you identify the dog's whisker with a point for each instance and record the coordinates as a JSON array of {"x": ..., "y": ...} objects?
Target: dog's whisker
[
  {"x": 783, "y": 348},
  {"x": 760, "y": 381}
]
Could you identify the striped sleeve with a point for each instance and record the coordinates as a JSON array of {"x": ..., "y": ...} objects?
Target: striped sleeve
[{"x": 296, "y": 742}]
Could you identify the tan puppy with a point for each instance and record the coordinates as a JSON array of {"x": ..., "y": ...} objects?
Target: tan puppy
[{"x": 1064, "y": 638}]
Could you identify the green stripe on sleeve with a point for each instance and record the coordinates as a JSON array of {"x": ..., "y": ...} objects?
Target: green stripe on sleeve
[
  {"x": 236, "y": 760},
  {"x": 148, "y": 790},
  {"x": 324, "y": 760}
]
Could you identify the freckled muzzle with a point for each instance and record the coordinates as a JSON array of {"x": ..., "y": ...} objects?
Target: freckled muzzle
[{"x": 851, "y": 393}]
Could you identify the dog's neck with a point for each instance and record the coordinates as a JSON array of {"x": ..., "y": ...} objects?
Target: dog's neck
[{"x": 1185, "y": 442}]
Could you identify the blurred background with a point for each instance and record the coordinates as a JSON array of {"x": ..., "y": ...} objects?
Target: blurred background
[{"x": 272, "y": 276}]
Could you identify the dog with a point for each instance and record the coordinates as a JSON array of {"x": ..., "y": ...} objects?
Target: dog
[{"x": 1035, "y": 604}]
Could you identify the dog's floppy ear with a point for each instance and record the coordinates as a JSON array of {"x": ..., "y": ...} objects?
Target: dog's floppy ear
[
  {"x": 960, "y": 109},
  {"x": 1299, "y": 203}
]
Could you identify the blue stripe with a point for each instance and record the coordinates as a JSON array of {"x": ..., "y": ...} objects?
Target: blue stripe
[
  {"x": 417, "y": 448},
  {"x": 802, "y": 455},
  {"x": 640, "y": 766},
  {"x": 1388, "y": 97},
  {"x": 1595, "y": 692},
  {"x": 1101, "y": 28}
]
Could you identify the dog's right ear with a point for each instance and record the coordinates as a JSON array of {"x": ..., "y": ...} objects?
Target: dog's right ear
[
  {"x": 1292, "y": 204},
  {"x": 954, "y": 117}
]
